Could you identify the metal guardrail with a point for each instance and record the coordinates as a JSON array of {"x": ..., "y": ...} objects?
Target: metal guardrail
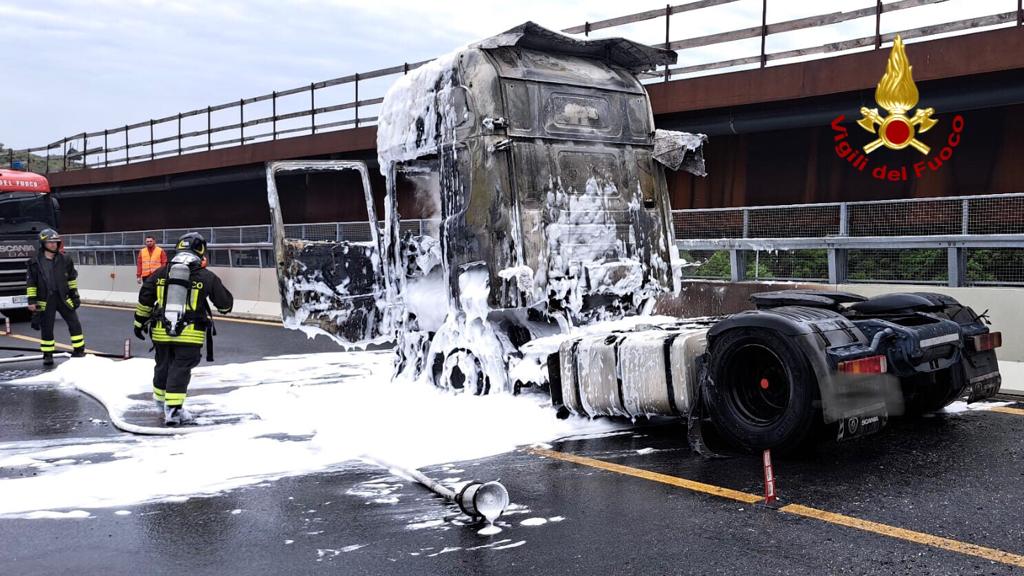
[
  {"x": 959, "y": 241},
  {"x": 231, "y": 124},
  {"x": 229, "y": 246}
]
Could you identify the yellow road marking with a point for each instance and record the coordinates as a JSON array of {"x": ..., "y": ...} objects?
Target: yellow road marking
[
  {"x": 58, "y": 344},
  {"x": 948, "y": 544},
  {"x": 1007, "y": 410},
  {"x": 217, "y": 318},
  {"x": 653, "y": 476},
  {"x": 908, "y": 535}
]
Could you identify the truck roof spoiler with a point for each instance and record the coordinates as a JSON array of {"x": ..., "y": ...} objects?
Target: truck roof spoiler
[
  {"x": 633, "y": 56},
  {"x": 680, "y": 151},
  {"x": 18, "y": 181}
]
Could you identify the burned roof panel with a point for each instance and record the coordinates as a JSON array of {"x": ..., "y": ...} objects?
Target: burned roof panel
[{"x": 633, "y": 56}]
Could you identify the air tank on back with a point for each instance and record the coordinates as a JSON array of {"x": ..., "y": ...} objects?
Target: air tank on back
[{"x": 175, "y": 302}]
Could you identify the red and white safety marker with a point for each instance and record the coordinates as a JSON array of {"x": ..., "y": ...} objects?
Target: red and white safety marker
[
  {"x": 769, "y": 479},
  {"x": 127, "y": 348}
]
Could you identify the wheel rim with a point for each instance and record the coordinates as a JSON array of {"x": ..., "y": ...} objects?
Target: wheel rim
[
  {"x": 759, "y": 384},
  {"x": 462, "y": 371}
]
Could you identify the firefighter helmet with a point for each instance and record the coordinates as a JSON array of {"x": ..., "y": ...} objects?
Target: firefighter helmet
[
  {"x": 50, "y": 235},
  {"x": 193, "y": 242}
]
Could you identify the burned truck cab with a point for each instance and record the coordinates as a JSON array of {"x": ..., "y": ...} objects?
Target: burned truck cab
[
  {"x": 541, "y": 152},
  {"x": 533, "y": 161},
  {"x": 591, "y": 203}
]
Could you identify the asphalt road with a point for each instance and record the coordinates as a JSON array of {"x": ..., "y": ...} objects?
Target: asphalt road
[{"x": 936, "y": 495}]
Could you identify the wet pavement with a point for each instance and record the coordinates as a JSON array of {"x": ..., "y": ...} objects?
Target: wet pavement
[{"x": 955, "y": 476}]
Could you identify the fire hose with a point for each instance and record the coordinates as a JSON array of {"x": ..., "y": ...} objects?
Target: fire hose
[{"x": 39, "y": 357}]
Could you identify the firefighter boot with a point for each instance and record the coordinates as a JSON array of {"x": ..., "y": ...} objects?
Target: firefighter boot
[
  {"x": 47, "y": 358},
  {"x": 78, "y": 352},
  {"x": 177, "y": 416}
]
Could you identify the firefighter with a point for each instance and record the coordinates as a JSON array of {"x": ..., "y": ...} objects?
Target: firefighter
[
  {"x": 173, "y": 302},
  {"x": 52, "y": 287}
]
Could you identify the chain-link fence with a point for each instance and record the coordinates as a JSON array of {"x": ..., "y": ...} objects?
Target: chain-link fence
[
  {"x": 923, "y": 266},
  {"x": 995, "y": 266},
  {"x": 786, "y": 265}
]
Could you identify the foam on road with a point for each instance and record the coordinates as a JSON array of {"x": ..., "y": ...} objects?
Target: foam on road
[{"x": 309, "y": 413}]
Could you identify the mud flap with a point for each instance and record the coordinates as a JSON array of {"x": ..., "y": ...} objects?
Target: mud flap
[
  {"x": 857, "y": 426},
  {"x": 700, "y": 433},
  {"x": 982, "y": 373}
]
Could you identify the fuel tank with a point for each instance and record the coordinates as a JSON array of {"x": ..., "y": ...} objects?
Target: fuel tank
[{"x": 644, "y": 372}]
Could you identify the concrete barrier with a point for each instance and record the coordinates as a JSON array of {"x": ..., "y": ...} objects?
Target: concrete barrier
[{"x": 255, "y": 289}]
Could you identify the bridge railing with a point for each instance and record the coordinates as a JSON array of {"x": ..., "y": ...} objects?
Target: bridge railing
[
  {"x": 763, "y": 32},
  {"x": 351, "y": 101},
  {"x": 230, "y": 246},
  {"x": 954, "y": 241}
]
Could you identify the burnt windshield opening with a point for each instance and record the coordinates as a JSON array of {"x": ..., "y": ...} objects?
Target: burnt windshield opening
[{"x": 26, "y": 211}]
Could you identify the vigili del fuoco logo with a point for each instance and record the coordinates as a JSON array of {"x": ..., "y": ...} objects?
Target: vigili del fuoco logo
[{"x": 897, "y": 95}]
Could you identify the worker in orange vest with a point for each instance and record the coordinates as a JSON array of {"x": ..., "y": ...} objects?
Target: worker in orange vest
[{"x": 151, "y": 258}]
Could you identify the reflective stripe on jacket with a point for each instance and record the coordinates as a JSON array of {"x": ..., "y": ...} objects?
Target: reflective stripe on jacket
[{"x": 205, "y": 285}]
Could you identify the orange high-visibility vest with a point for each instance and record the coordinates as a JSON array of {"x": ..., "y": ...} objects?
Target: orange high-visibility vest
[{"x": 150, "y": 262}]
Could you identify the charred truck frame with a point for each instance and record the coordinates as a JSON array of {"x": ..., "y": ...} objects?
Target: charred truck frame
[{"x": 536, "y": 159}]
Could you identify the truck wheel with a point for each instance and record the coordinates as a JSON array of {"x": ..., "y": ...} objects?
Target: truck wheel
[
  {"x": 926, "y": 393},
  {"x": 461, "y": 371},
  {"x": 18, "y": 314},
  {"x": 762, "y": 390}
]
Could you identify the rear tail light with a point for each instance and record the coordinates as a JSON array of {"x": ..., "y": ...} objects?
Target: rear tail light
[
  {"x": 987, "y": 341},
  {"x": 869, "y": 365}
]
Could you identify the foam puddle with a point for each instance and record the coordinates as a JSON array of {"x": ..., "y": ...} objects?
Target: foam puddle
[
  {"x": 489, "y": 530},
  {"x": 312, "y": 413}
]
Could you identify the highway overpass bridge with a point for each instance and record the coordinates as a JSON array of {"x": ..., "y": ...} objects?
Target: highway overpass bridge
[{"x": 773, "y": 133}]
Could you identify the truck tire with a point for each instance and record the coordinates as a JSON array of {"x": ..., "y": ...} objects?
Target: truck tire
[
  {"x": 926, "y": 393},
  {"x": 460, "y": 371},
  {"x": 761, "y": 390},
  {"x": 18, "y": 314}
]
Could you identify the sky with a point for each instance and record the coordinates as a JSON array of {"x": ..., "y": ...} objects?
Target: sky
[{"x": 73, "y": 66}]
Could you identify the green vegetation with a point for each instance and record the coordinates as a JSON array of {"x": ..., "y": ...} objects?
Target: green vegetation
[
  {"x": 712, "y": 264},
  {"x": 35, "y": 163},
  {"x": 798, "y": 264},
  {"x": 922, "y": 265},
  {"x": 996, "y": 266},
  {"x": 1004, "y": 266}
]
